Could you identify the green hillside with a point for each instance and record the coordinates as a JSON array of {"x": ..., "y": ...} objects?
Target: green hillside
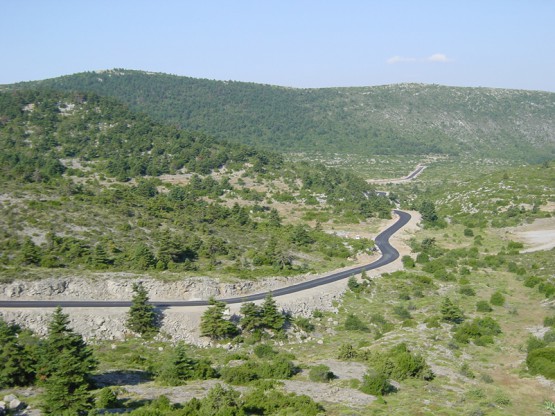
[
  {"x": 394, "y": 119},
  {"x": 86, "y": 183}
]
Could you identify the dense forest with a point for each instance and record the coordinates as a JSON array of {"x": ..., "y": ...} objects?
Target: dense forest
[{"x": 388, "y": 120}]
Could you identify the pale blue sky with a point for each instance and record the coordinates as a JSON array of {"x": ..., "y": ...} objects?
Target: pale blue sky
[{"x": 298, "y": 43}]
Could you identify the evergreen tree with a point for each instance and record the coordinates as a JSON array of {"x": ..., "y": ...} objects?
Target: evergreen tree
[
  {"x": 451, "y": 312},
  {"x": 214, "y": 325},
  {"x": 271, "y": 317},
  {"x": 30, "y": 253},
  {"x": 428, "y": 211},
  {"x": 16, "y": 367},
  {"x": 141, "y": 317},
  {"x": 178, "y": 368},
  {"x": 251, "y": 316},
  {"x": 65, "y": 367}
]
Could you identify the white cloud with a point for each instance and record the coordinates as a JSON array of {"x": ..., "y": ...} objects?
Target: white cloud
[{"x": 436, "y": 57}]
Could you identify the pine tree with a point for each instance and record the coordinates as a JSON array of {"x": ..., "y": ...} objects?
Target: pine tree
[
  {"x": 214, "y": 325},
  {"x": 141, "y": 317},
  {"x": 251, "y": 316},
  {"x": 16, "y": 368},
  {"x": 450, "y": 312},
  {"x": 271, "y": 317},
  {"x": 65, "y": 367},
  {"x": 178, "y": 368}
]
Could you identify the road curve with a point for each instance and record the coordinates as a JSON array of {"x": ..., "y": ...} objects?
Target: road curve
[{"x": 389, "y": 254}]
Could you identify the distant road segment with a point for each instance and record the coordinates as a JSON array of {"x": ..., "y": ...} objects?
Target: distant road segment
[{"x": 389, "y": 254}]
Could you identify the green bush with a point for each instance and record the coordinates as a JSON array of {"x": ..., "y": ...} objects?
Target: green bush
[
  {"x": 354, "y": 285},
  {"x": 353, "y": 323},
  {"x": 320, "y": 374},
  {"x": 467, "y": 291},
  {"x": 107, "y": 399},
  {"x": 408, "y": 262},
  {"x": 241, "y": 374},
  {"x": 402, "y": 312},
  {"x": 542, "y": 361},
  {"x": 497, "y": 299},
  {"x": 347, "y": 352},
  {"x": 480, "y": 330},
  {"x": 534, "y": 343},
  {"x": 273, "y": 402},
  {"x": 532, "y": 281},
  {"x": 304, "y": 324},
  {"x": 376, "y": 383},
  {"x": 483, "y": 306},
  {"x": 264, "y": 351}
]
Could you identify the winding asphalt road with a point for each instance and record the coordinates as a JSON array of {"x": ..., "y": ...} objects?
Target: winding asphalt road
[{"x": 389, "y": 254}]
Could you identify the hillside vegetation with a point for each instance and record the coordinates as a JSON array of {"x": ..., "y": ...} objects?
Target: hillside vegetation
[
  {"x": 393, "y": 119},
  {"x": 86, "y": 183}
]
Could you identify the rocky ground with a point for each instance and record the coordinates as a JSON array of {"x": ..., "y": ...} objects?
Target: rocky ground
[{"x": 178, "y": 323}]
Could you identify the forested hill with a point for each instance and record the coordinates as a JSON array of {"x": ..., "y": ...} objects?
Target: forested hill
[
  {"x": 87, "y": 183},
  {"x": 393, "y": 119}
]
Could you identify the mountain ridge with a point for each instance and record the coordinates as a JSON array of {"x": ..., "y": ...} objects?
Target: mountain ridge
[{"x": 390, "y": 119}]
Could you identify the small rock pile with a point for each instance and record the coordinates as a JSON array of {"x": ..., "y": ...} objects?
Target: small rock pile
[{"x": 12, "y": 405}]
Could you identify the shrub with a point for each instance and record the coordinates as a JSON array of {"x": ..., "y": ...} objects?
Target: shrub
[
  {"x": 376, "y": 383},
  {"x": 533, "y": 343},
  {"x": 402, "y": 312},
  {"x": 480, "y": 330},
  {"x": 548, "y": 289},
  {"x": 347, "y": 352},
  {"x": 321, "y": 374},
  {"x": 317, "y": 313},
  {"x": 354, "y": 285},
  {"x": 273, "y": 402},
  {"x": 107, "y": 399},
  {"x": 497, "y": 299},
  {"x": 483, "y": 306},
  {"x": 468, "y": 232},
  {"x": 467, "y": 291},
  {"x": 264, "y": 351},
  {"x": 542, "y": 361},
  {"x": 304, "y": 324},
  {"x": 466, "y": 371},
  {"x": 408, "y": 262},
  {"x": 353, "y": 323},
  {"x": 241, "y": 374},
  {"x": 532, "y": 281}
]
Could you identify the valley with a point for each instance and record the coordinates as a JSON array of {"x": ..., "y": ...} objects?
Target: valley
[{"x": 101, "y": 203}]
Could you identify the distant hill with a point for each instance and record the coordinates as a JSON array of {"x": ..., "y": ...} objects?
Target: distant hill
[{"x": 391, "y": 119}]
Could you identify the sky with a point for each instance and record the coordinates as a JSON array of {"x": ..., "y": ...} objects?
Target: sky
[{"x": 293, "y": 43}]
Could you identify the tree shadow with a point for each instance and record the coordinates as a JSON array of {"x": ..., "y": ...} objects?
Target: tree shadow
[{"x": 121, "y": 377}]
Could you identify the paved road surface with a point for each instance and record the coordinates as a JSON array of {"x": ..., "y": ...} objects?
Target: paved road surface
[{"x": 389, "y": 254}]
